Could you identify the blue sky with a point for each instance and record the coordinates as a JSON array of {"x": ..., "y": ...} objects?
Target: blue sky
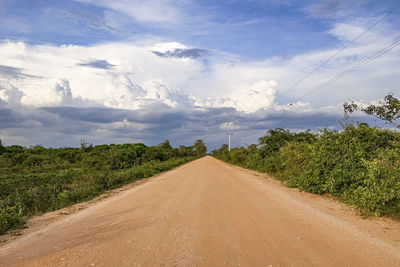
[
  {"x": 251, "y": 29},
  {"x": 161, "y": 59}
]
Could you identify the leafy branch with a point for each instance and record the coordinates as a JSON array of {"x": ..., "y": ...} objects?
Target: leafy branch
[{"x": 387, "y": 109}]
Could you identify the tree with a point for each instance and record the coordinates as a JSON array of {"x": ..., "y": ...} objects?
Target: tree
[
  {"x": 387, "y": 110},
  {"x": 165, "y": 145},
  {"x": 200, "y": 148},
  {"x": 221, "y": 153},
  {"x": 85, "y": 146},
  {"x": 185, "y": 151},
  {"x": 273, "y": 141}
]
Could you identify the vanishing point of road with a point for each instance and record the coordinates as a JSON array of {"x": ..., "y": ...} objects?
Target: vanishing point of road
[{"x": 209, "y": 213}]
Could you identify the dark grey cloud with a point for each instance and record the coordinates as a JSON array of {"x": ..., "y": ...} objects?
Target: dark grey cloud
[
  {"x": 291, "y": 119},
  {"x": 91, "y": 114},
  {"x": 98, "y": 64},
  {"x": 65, "y": 126},
  {"x": 148, "y": 117},
  {"x": 183, "y": 53},
  {"x": 14, "y": 73},
  {"x": 6, "y": 117},
  {"x": 154, "y": 123}
]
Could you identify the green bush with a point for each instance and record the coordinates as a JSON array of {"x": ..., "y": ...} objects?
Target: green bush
[
  {"x": 10, "y": 217},
  {"x": 294, "y": 159},
  {"x": 379, "y": 191},
  {"x": 37, "y": 180},
  {"x": 360, "y": 165}
]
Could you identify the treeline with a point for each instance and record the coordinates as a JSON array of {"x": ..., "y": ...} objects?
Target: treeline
[
  {"x": 360, "y": 165},
  {"x": 36, "y": 180}
]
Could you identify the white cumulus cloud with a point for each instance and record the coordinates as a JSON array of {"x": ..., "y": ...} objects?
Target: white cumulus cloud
[
  {"x": 259, "y": 95},
  {"x": 229, "y": 126},
  {"x": 131, "y": 75}
]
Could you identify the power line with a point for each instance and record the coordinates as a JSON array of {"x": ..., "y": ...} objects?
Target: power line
[
  {"x": 352, "y": 69},
  {"x": 340, "y": 50}
]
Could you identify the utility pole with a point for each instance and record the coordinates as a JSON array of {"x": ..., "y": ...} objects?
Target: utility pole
[{"x": 229, "y": 138}]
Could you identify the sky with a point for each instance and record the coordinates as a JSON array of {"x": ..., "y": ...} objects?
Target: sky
[{"x": 119, "y": 71}]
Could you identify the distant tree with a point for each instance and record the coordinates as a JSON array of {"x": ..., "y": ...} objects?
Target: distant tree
[
  {"x": 273, "y": 141},
  {"x": 85, "y": 146},
  {"x": 163, "y": 151},
  {"x": 200, "y": 148},
  {"x": 165, "y": 145},
  {"x": 15, "y": 149},
  {"x": 185, "y": 151},
  {"x": 139, "y": 149},
  {"x": 221, "y": 153},
  {"x": 277, "y": 138},
  {"x": 224, "y": 147},
  {"x": 387, "y": 110}
]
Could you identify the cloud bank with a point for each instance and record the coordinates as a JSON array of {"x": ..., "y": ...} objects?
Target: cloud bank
[{"x": 150, "y": 91}]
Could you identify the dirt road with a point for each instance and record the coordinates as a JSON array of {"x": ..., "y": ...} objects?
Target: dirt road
[{"x": 208, "y": 213}]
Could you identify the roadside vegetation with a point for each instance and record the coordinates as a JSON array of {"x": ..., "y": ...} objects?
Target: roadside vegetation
[
  {"x": 36, "y": 180},
  {"x": 360, "y": 165}
]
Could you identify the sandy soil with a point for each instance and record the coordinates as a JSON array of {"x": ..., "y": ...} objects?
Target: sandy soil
[{"x": 208, "y": 213}]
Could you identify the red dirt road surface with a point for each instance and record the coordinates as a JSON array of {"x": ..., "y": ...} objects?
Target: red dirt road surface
[{"x": 208, "y": 213}]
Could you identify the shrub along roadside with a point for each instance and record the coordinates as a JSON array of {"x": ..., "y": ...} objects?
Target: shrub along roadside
[
  {"x": 359, "y": 165},
  {"x": 25, "y": 195},
  {"x": 36, "y": 180}
]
